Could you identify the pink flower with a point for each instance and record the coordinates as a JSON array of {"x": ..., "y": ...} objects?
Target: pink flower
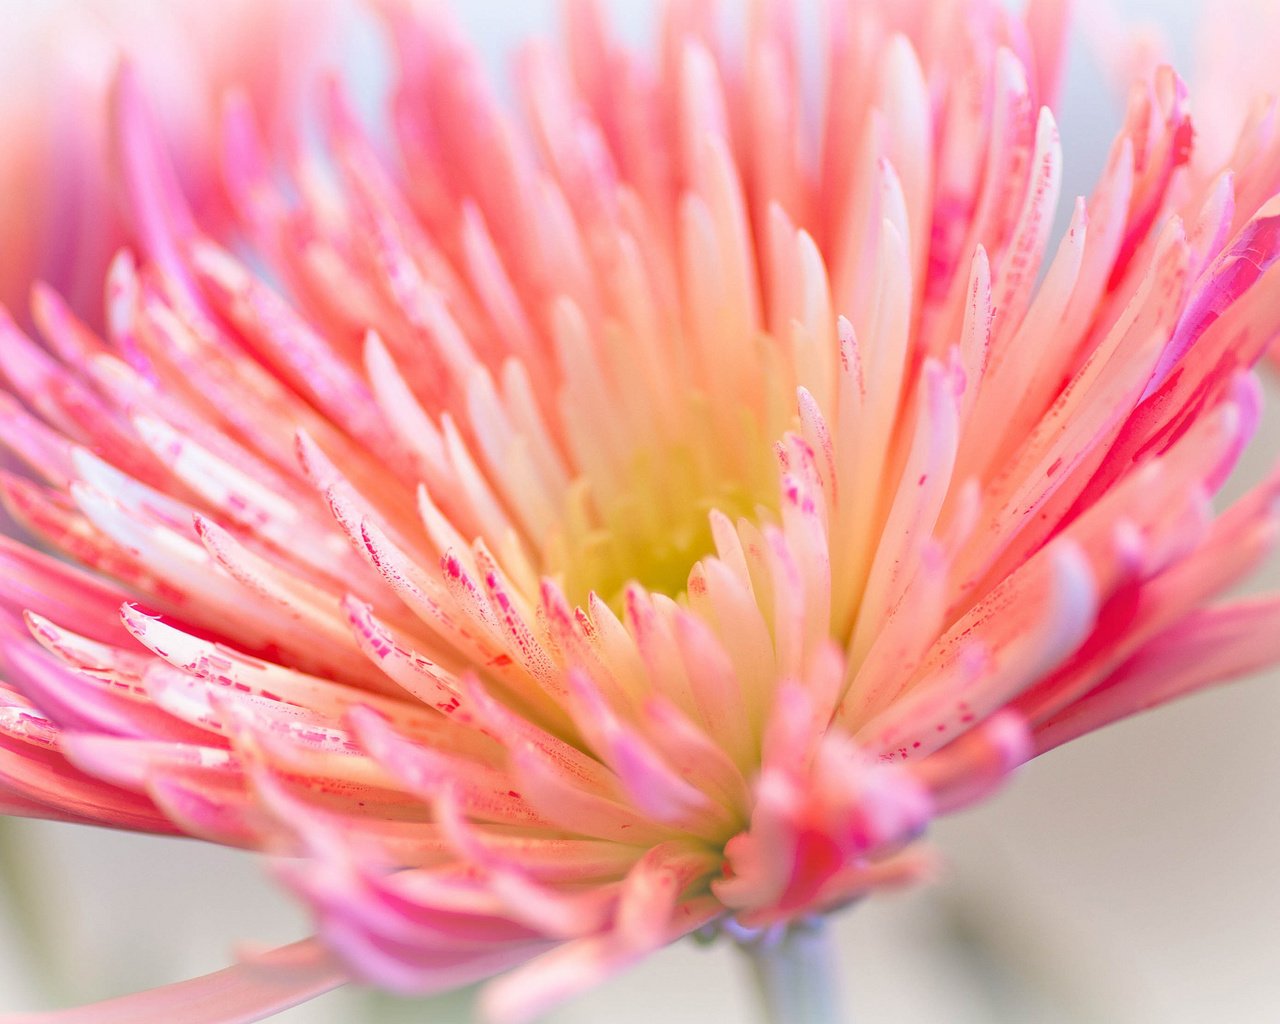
[
  {"x": 562, "y": 534},
  {"x": 59, "y": 64}
]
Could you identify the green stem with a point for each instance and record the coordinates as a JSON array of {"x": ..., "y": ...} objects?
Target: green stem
[{"x": 794, "y": 968}]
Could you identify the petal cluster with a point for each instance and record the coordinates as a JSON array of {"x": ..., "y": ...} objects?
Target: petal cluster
[
  {"x": 551, "y": 534},
  {"x": 59, "y": 60}
]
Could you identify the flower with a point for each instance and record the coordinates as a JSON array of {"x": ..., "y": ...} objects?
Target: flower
[
  {"x": 553, "y": 537},
  {"x": 59, "y": 67}
]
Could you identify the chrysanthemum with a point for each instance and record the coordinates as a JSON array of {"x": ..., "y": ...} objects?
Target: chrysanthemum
[
  {"x": 549, "y": 536},
  {"x": 59, "y": 221}
]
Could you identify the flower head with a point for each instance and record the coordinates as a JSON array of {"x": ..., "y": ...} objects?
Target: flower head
[{"x": 554, "y": 535}]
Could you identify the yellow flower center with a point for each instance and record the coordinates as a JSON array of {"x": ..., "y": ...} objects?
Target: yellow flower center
[{"x": 650, "y": 525}]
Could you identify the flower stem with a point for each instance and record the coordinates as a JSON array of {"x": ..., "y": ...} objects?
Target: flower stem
[{"x": 794, "y": 968}]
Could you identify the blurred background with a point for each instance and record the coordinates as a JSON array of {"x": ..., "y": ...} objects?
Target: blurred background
[{"x": 1130, "y": 877}]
